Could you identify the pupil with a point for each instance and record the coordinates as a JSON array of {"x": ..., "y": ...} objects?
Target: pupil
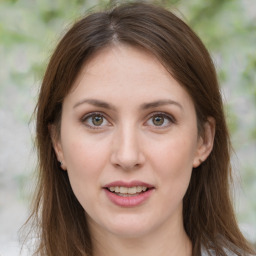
[
  {"x": 158, "y": 120},
  {"x": 97, "y": 120}
]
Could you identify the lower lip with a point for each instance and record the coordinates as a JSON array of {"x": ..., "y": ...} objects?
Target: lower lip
[{"x": 128, "y": 201}]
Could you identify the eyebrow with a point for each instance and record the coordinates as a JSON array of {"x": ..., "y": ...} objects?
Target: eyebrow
[
  {"x": 160, "y": 103},
  {"x": 94, "y": 102},
  {"x": 103, "y": 104}
]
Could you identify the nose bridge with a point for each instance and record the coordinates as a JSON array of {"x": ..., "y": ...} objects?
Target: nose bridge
[{"x": 127, "y": 150}]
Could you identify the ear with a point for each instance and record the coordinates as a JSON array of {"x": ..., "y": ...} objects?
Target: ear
[
  {"x": 205, "y": 142},
  {"x": 56, "y": 143}
]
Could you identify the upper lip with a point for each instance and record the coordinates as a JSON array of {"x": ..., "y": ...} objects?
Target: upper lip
[{"x": 129, "y": 184}]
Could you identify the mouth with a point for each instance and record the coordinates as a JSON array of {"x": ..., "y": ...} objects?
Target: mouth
[
  {"x": 129, "y": 194},
  {"x": 128, "y": 191}
]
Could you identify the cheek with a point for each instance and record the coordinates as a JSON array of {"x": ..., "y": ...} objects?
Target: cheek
[
  {"x": 84, "y": 166},
  {"x": 174, "y": 151},
  {"x": 82, "y": 150},
  {"x": 85, "y": 160},
  {"x": 173, "y": 162}
]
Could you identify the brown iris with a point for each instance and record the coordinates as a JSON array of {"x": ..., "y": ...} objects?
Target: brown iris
[
  {"x": 97, "y": 120},
  {"x": 158, "y": 120}
]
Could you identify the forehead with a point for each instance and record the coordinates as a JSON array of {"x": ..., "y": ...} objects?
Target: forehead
[
  {"x": 123, "y": 57},
  {"x": 124, "y": 71}
]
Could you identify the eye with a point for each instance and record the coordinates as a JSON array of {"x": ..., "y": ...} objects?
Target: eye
[
  {"x": 160, "y": 120},
  {"x": 95, "y": 120}
]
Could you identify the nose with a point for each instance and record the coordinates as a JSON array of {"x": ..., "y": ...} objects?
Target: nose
[{"x": 127, "y": 153}]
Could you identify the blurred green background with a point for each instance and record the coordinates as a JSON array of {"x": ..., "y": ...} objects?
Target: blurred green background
[{"x": 29, "y": 31}]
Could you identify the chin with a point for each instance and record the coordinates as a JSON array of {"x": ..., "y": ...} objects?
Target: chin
[
  {"x": 130, "y": 228},
  {"x": 129, "y": 233}
]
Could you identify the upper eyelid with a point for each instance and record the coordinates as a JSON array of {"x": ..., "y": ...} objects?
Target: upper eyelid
[
  {"x": 95, "y": 113},
  {"x": 90, "y": 115},
  {"x": 171, "y": 117},
  {"x": 110, "y": 120}
]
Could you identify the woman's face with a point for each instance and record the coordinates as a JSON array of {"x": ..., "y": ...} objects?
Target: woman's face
[{"x": 129, "y": 141}]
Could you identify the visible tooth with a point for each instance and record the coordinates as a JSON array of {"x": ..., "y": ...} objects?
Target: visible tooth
[
  {"x": 123, "y": 190},
  {"x": 139, "y": 189},
  {"x": 132, "y": 190}
]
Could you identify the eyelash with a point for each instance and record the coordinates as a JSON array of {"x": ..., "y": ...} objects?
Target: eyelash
[
  {"x": 167, "y": 117},
  {"x": 170, "y": 119},
  {"x": 94, "y": 114}
]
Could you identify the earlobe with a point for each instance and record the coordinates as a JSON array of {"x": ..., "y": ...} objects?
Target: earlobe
[
  {"x": 205, "y": 142},
  {"x": 56, "y": 144}
]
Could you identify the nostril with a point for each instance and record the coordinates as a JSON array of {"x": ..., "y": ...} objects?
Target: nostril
[{"x": 127, "y": 151}]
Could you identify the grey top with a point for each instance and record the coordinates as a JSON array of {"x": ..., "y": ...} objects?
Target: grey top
[
  {"x": 212, "y": 253},
  {"x": 228, "y": 253},
  {"x": 204, "y": 253}
]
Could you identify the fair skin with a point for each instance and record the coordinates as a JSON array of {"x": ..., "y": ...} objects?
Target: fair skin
[{"x": 128, "y": 124}]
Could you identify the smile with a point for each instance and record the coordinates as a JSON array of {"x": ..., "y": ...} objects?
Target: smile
[
  {"x": 128, "y": 194},
  {"x": 124, "y": 191}
]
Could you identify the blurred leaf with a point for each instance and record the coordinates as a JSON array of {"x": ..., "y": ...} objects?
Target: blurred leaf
[
  {"x": 232, "y": 119},
  {"x": 48, "y": 16},
  {"x": 222, "y": 76},
  {"x": 9, "y": 38}
]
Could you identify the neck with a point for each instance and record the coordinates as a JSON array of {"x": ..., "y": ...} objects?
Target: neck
[{"x": 166, "y": 241}]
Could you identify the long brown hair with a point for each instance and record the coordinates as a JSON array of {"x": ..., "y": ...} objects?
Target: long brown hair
[{"x": 209, "y": 218}]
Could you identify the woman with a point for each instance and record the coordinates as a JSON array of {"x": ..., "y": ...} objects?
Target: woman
[{"x": 134, "y": 152}]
